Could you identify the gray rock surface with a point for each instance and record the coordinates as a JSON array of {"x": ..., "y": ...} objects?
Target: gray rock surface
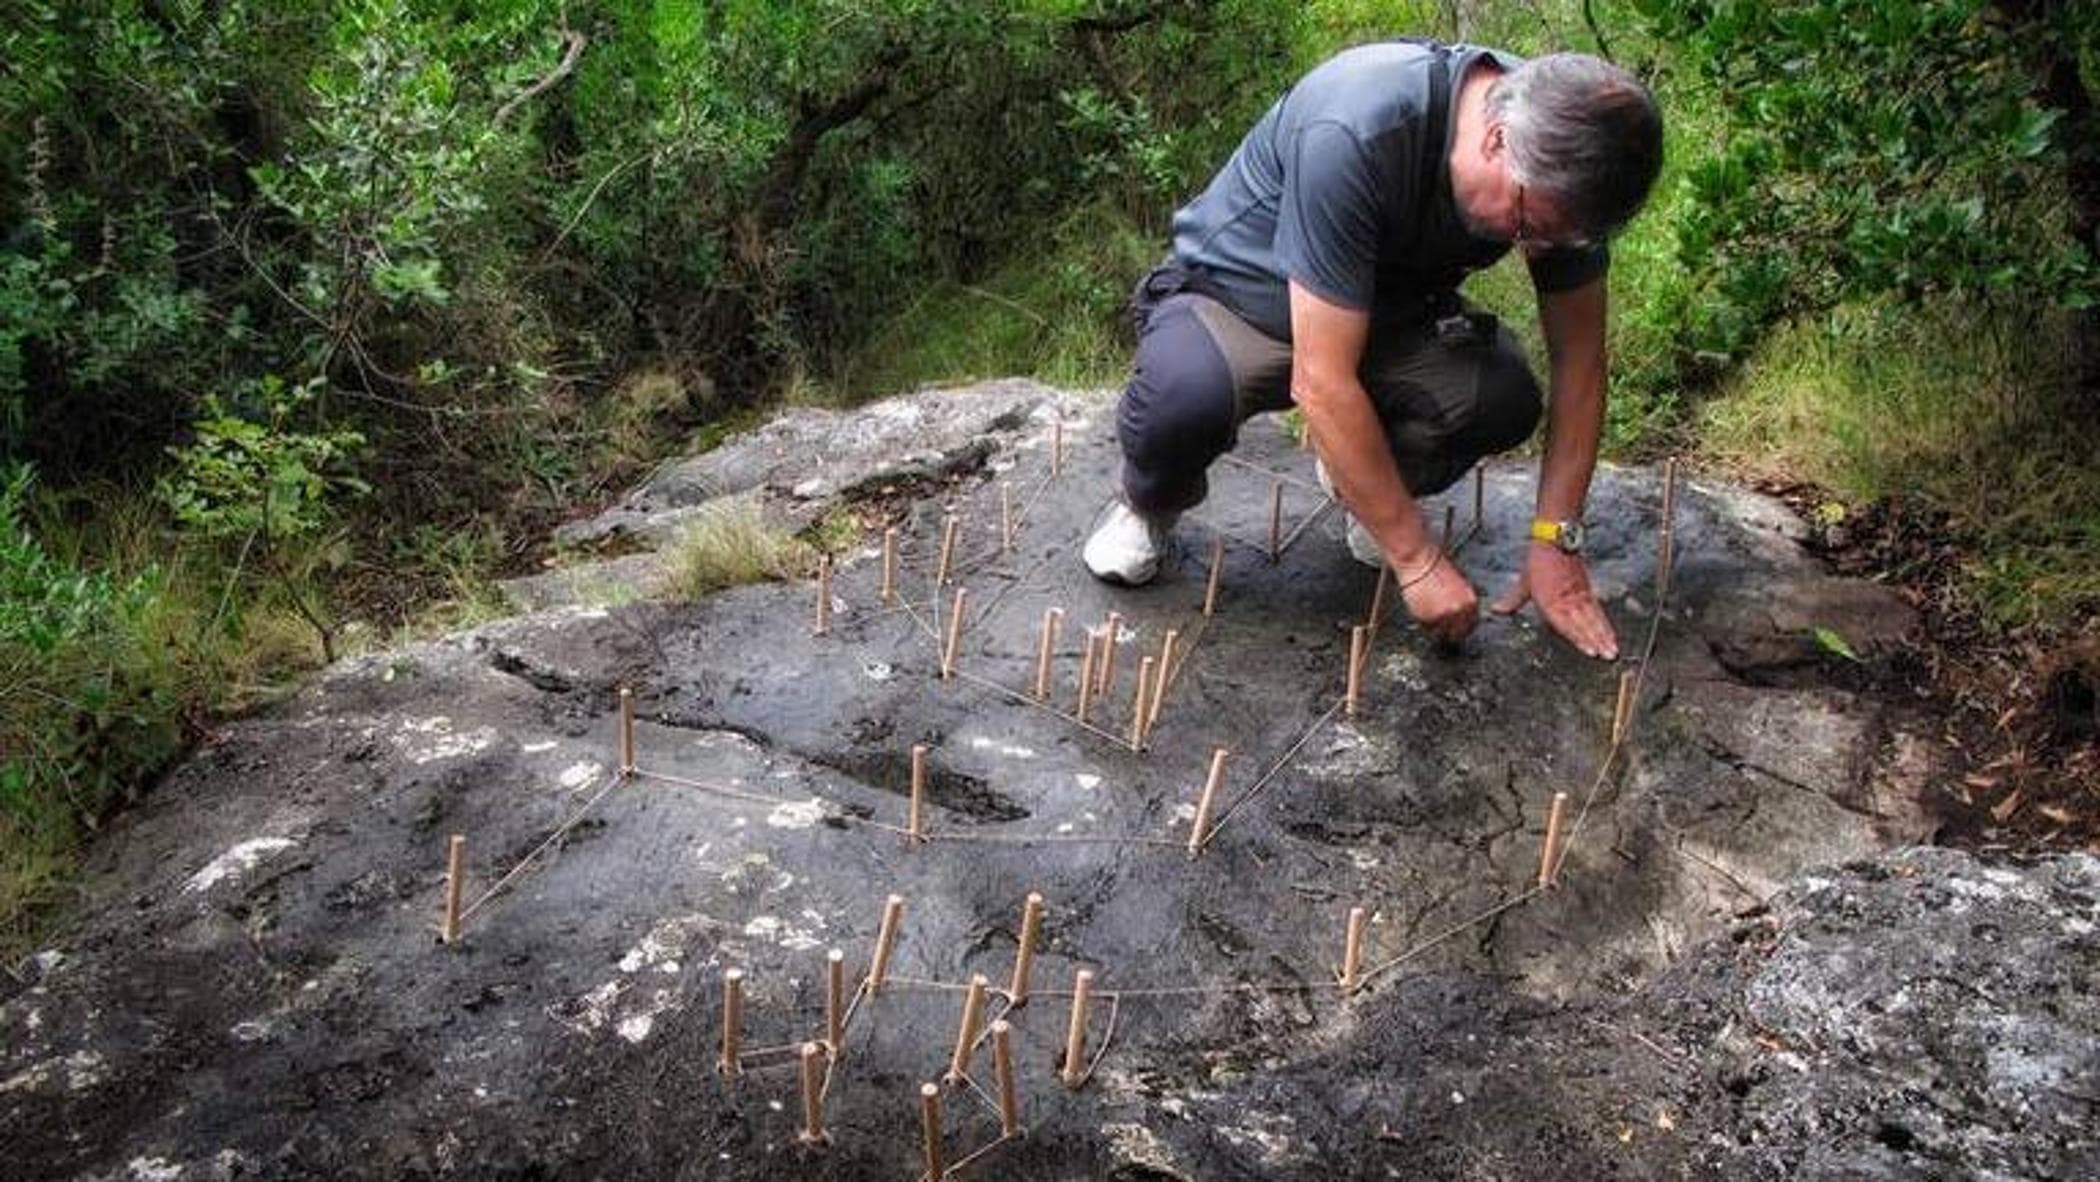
[{"x": 1734, "y": 977}]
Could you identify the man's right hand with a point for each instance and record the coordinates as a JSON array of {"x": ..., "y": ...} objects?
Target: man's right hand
[{"x": 1442, "y": 601}]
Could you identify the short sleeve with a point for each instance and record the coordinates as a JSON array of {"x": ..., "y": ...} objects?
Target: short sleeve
[
  {"x": 1566, "y": 270},
  {"x": 1327, "y": 216}
]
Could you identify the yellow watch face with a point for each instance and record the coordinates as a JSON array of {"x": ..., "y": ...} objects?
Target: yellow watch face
[{"x": 1545, "y": 531}]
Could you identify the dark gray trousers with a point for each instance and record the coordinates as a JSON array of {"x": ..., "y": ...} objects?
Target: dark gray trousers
[{"x": 1446, "y": 399}]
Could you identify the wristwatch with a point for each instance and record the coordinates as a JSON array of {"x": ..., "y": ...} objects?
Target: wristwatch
[{"x": 1566, "y": 536}]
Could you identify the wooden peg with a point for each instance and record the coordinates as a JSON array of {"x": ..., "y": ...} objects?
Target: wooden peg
[
  {"x": 1359, "y": 645},
  {"x": 1549, "y": 852},
  {"x": 835, "y": 1001},
  {"x": 813, "y": 1095},
  {"x": 1164, "y": 672},
  {"x": 1075, "y": 1034},
  {"x": 1622, "y": 712},
  {"x": 966, "y": 1037},
  {"x": 626, "y": 731},
  {"x": 1057, "y": 446},
  {"x": 1217, "y": 571},
  {"x": 1377, "y": 613},
  {"x": 1006, "y": 516},
  {"x": 1105, "y": 668},
  {"x": 954, "y": 645},
  {"x": 930, "y": 1122},
  {"x": 1003, "y": 1068},
  {"x": 917, "y": 820},
  {"x": 732, "y": 1022},
  {"x": 947, "y": 560},
  {"x": 1142, "y": 703},
  {"x": 823, "y": 594},
  {"x": 1051, "y": 617},
  {"x": 1276, "y": 524},
  {"x": 1353, "y": 949},
  {"x": 1024, "y": 950},
  {"x": 1666, "y": 549},
  {"x": 885, "y": 943},
  {"x": 1086, "y": 677},
  {"x": 1198, "y": 830},
  {"x": 889, "y": 565},
  {"x": 455, "y": 884}
]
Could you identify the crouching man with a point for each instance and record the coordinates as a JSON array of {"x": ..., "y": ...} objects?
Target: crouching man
[{"x": 1322, "y": 267}]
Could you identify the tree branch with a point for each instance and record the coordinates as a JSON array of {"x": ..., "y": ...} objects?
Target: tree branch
[{"x": 574, "y": 42}]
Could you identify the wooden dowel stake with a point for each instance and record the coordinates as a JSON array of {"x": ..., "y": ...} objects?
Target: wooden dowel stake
[
  {"x": 1353, "y": 949},
  {"x": 1203, "y": 803},
  {"x": 1622, "y": 711},
  {"x": 823, "y": 595},
  {"x": 626, "y": 731},
  {"x": 1359, "y": 645},
  {"x": 455, "y": 885},
  {"x": 1051, "y": 618},
  {"x": 916, "y": 821},
  {"x": 1075, "y": 1034},
  {"x": 835, "y": 1001},
  {"x": 1086, "y": 677},
  {"x": 947, "y": 560},
  {"x": 1006, "y": 516},
  {"x": 885, "y": 943},
  {"x": 1142, "y": 703},
  {"x": 813, "y": 1095},
  {"x": 1161, "y": 677},
  {"x": 930, "y": 1122},
  {"x": 1057, "y": 446},
  {"x": 1276, "y": 524},
  {"x": 954, "y": 645},
  {"x": 732, "y": 1022},
  {"x": 889, "y": 565},
  {"x": 966, "y": 1037},
  {"x": 1376, "y": 616},
  {"x": 1024, "y": 949},
  {"x": 1003, "y": 1069},
  {"x": 1105, "y": 670},
  {"x": 1217, "y": 571},
  {"x": 1549, "y": 852}
]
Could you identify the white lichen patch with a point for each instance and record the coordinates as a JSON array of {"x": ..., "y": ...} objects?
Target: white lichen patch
[
  {"x": 877, "y": 670},
  {"x": 236, "y": 862},
  {"x": 542, "y": 745},
  {"x": 152, "y": 1169},
  {"x": 80, "y": 1071},
  {"x": 780, "y": 931},
  {"x": 576, "y": 775},
  {"x": 424, "y": 740},
  {"x": 665, "y": 944},
  {"x": 1139, "y": 1146},
  {"x": 1270, "y": 1132},
  {"x": 800, "y": 815},
  {"x": 1086, "y": 781},
  {"x": 1007, "y": 749}
]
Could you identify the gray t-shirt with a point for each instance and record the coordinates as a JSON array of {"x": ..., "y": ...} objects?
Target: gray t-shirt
[{"x": 1324, "y": 190}]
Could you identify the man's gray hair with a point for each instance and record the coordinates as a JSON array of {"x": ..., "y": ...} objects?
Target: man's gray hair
[{"x": 1583, "y": 131}]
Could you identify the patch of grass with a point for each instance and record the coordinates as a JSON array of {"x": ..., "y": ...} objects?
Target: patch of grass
[
  {"x": 731, "y": 545},
  {"x": 1964, "y": 408},
  {"x": 1055, "y": 315},
  {"x": 115, "y": 633}
]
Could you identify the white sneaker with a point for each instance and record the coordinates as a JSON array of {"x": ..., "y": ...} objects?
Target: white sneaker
[
  {"x": 1126, "y": 546},
  {"x": 1362, "y": 546}
]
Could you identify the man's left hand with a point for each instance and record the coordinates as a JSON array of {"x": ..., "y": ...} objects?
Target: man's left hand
[{"x": 1560, "y": 584}]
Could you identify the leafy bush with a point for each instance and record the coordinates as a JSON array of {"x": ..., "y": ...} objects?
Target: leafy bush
[{"x": 87, "y": 708}]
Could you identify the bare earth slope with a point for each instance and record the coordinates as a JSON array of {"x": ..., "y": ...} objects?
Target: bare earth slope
[{"x": 1747, "y": 969}]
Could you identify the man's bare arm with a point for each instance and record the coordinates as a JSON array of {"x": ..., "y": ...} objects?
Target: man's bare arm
[
  {"x": 1574, "y": 324},
  {"x": 1327, "y": 348}
]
